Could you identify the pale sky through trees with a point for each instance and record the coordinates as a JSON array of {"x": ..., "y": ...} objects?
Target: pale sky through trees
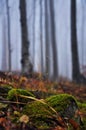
[{"x": 62, "y": 24}]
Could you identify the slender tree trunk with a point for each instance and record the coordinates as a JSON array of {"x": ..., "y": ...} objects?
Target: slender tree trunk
[
  {"x": 46, "y": 38},
  {"x": 41, "y": 40},
  {"x": 74, "y": 46},
  {"x": 4, "y": 47},
  {"x": 34, "y": 5},
  {"x": 83, "y": 30},
  {"x": 53, "y": 38},
  {"x": 9, "y": 43},
  {"x": 26, "y": 64}
]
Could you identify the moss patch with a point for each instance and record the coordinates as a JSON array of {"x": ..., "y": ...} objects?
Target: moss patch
[
  {"x": 82, "y": 107},
  {"x": 65, "y": 104},
  {"x": 42, "y": 114},
  {"x": 13, "y": 95},
  {"x": 5, "y": 88}
]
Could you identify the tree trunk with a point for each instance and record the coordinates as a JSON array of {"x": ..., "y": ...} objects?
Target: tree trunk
[
  {"x": 46, "y": 39},
  {"x": 53, "y": 38},
  {"x": 25, "y": 61},
  {"x": 82, "y": 31},
  {"x": 34, "y": 9},
  {"x": 4, "y": 47},
  {"x": 74, "y": 47},
  {"x": 9, "y": 43},
  {"x": 41, "y": 40}
]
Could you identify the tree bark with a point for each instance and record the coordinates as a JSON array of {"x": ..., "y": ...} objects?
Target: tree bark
[
  {"x": 46, "y": 39},
  {"x": 53, "y": 38},
  {"x": 74, "y": 47},
  {"x": 9, "y": 43},
  {"x": 4, "y": 47},
  {"x": 41, "y": 40},
  {"x": 34, "y": 9},
  {"x": 25, "y": 61}
]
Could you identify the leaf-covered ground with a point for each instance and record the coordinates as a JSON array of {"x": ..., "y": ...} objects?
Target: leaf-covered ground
[{"x": 38, "y": 88}]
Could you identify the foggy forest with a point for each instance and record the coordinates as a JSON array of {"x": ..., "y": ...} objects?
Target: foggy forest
[{"x": 42, "y": 64}]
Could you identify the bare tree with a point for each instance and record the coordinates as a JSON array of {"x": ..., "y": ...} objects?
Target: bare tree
[
  {"x": 41, "y": 40},
  {"x": 46, "y": 38},
  {"x": 9, "y": 42},
  {"x": 74, "y": 46},
  {"x": 75, "y": 57},
  {"x": 83, "y": 30},
  {"x": 34, "y": 9},
  {"x": 4, "y": 47},
  {"x": 26, "y": 64},
  {"x": 53, "y": 38}
]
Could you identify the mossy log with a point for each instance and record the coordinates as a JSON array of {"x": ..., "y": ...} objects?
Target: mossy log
[
  {"x": 46, "y": 114},
  {"x": 65, "y": 104}
]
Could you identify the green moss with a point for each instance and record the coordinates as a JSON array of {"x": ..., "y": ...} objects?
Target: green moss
[
  {"x": 13, "y": 95},
  {"x": 40, "y": 113},
  {"x": 82, "y": 107},
  {"x": 4, "y": 89},
  {"x": 62, "y": 102},
  {"x": 36, "y": 108}
]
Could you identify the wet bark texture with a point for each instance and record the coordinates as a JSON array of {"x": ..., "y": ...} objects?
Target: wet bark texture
[{"x": 25, "y": 61}]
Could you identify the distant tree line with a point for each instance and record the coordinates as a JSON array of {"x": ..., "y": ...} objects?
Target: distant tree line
[{"x": 27, "y": 66}]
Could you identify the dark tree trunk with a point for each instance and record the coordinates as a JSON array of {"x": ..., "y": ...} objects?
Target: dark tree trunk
[
  {"x": 74, "y": 46},
  {"x": 25, "y": 61},
  {"x": 53, "y": 38},
  {"x": 46, "y": 38}
]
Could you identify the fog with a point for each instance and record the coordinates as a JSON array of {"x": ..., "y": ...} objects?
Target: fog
[{"x": 63, "y": 35}]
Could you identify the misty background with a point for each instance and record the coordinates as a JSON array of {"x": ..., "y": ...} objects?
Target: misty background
[{"x": 38, "y": 36}]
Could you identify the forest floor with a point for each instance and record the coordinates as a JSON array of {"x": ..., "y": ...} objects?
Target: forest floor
[{"x": 41, "y": 88}]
